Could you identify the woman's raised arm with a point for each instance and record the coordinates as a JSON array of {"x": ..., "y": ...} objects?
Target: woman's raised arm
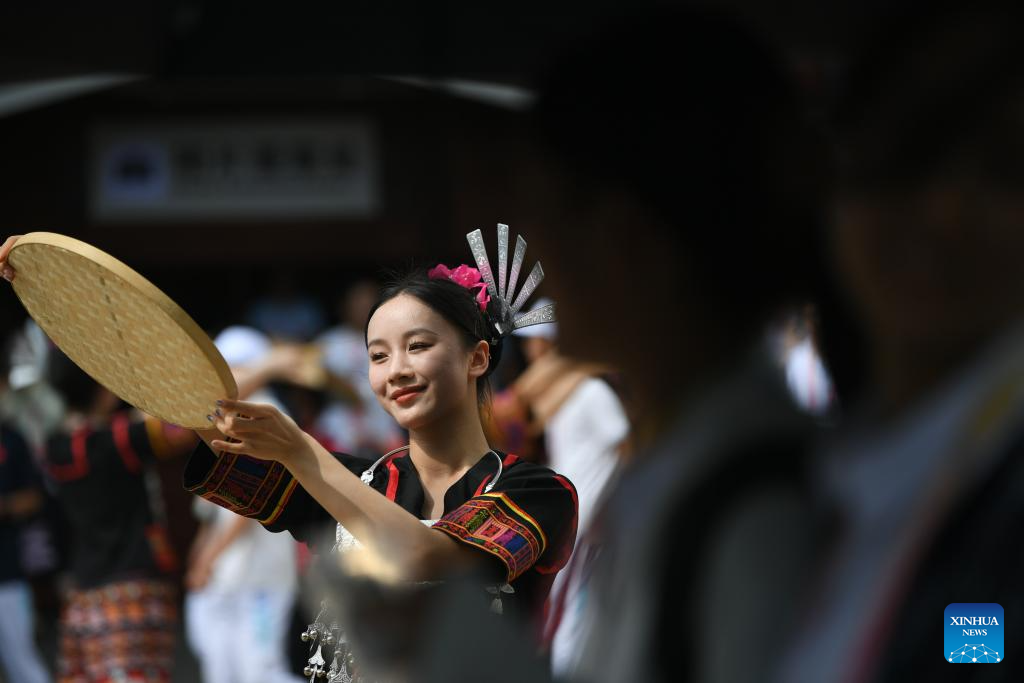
[{"x": 413, "y": 552}]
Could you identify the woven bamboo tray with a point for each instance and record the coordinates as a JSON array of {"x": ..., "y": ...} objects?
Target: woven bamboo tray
[{"x": 120, "y": 329}]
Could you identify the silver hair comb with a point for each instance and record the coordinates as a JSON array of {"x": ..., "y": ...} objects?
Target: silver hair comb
[{"x": 508, "y": 317}]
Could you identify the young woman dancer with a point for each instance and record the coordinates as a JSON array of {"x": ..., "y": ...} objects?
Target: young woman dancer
[
  {"x": 431, "y": 348},
  {"x": 443, "y": 505}
]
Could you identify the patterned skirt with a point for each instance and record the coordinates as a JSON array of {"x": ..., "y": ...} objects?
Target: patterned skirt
[{"x": 123, "y": 631}]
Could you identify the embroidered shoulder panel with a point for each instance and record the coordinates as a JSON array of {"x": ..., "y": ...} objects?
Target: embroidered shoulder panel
[{"x": 497, "y": 526}]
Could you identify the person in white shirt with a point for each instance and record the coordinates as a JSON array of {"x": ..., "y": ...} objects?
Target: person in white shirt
[
  {"x": 584, "y": 425},
  {"x": 242, "y": 579}
]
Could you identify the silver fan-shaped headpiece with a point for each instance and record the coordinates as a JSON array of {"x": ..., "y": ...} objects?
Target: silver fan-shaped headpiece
[{"x": 506, "y": 316}]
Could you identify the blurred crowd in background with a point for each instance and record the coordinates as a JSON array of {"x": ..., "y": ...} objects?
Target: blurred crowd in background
[{"x": 787, "y": 379}]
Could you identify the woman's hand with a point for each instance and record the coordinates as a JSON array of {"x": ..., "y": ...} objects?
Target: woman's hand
[
  {"x": 259, "y": 430},
  {"x": 6, "y": 269}
]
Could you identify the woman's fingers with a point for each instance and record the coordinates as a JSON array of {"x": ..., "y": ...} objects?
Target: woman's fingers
[
  {"x": 6, "y": 269},
  {"x": 254, "y": 410},
  {"x": 234, "y": 425},
  {"x": 229, "y": 446},
  {"x": 262, "y": 430},
  {"x": 7, "y": 246}
]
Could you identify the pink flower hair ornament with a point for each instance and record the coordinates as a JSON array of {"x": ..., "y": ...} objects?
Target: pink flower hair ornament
[
  {"x": 497, "y": 296},
  {"x": 464, "y": 276}
]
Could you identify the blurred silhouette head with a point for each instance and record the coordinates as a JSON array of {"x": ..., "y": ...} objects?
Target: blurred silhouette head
[
  {"x": 81, "y": 393},
  {"x": 678, "y": 191},
  {"x": 357, "y": 302},
  {"x": 928, "y": 232}
]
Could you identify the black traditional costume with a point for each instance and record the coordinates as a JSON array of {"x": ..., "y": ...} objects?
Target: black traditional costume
[{"x": 526, "y": 522}]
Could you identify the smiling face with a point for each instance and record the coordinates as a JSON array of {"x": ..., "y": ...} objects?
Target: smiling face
[{"x": 421, "y": 367}]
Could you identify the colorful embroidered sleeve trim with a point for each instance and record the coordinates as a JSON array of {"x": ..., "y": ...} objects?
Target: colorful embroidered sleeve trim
[
  {"x": 245, "y": 485},
  {"x": 522, "y": 514},
  {"x": 497, "y": 526}
]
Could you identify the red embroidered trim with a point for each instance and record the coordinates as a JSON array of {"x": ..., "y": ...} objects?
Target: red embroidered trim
[
  {"x": 123, "y": 442},
  {"x": 480, "y": 488},
  {"x": 392, "y": 489},
  {"x": 79, "y": 465}
]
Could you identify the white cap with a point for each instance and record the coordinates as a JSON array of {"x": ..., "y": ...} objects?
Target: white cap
[
  {"x": 547, "y": 331},
  {"x": 28, "y": 356},
  {"x": 242, "y": 345}
]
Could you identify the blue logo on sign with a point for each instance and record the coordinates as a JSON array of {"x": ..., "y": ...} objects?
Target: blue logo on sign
[{"x": 974, "y": 633}]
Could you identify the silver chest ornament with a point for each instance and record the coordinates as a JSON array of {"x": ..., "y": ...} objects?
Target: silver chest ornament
[{"x": 320, "y": 635}]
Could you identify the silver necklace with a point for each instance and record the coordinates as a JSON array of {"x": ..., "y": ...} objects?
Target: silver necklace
[{"x": 319, "y": 634}]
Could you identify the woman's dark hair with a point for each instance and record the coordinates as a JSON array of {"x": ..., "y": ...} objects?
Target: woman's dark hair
[{"x": 454, "y": 303}]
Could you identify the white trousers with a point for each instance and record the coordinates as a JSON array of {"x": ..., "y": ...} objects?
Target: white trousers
[
  {"x": 239, "y": 635},
  {"x": 17, "y": 635}
]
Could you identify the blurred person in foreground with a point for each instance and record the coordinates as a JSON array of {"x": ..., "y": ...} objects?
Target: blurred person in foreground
[
  {"x": 242, "y": 580},
  {"x": 928, "y": 238},
  {"x": 21, "y": 498},
  {"x": 678, "y": 190}
]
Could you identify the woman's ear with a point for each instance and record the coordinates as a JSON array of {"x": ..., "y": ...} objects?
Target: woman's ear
[{"x": 480, "y": 359}]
